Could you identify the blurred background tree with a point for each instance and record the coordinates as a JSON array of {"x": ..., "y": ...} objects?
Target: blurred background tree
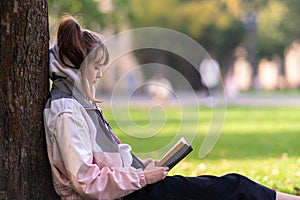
[
  {"x": 220, "y": 26},
  {"x": 211, "y": 23}
]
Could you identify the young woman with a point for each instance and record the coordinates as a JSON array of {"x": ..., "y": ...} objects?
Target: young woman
[{"x": 87, "y": 159}]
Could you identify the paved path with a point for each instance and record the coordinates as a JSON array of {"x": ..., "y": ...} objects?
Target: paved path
[
  {"x": 266, "y": 100},
  {"x": 190, "y": 98}
]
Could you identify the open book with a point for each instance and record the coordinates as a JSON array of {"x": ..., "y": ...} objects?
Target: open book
[{"x": 180, "y": 150}]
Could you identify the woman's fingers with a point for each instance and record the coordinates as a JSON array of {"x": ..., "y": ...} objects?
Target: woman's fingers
[{"x": 155, "y": 174}]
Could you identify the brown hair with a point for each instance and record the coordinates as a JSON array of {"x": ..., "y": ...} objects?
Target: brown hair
[
  {"x": 76, "y": 43},
  {"x": 80, "y": 46}
]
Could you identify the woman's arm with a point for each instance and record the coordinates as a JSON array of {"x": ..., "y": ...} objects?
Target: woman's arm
[{"x": 89, "y": 179}]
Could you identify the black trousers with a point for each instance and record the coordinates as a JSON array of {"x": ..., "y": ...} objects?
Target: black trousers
[{"x": 228, "y": 187}]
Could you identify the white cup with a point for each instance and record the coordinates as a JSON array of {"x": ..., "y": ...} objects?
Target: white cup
[{"x": 126, "y": 156}]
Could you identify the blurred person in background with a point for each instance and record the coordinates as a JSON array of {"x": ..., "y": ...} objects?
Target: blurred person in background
[{"x": 159, "y": 88}]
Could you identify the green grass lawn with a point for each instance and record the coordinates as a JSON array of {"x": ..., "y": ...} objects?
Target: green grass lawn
[{"x": 261, "y": 143}]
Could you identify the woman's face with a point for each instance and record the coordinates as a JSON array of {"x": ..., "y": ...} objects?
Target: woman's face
[
  {"x": 94, "y": 67},
  {"x": 94, "y": 73}
]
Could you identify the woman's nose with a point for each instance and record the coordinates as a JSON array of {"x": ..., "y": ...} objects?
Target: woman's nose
[{"x": 99, "y": 74}]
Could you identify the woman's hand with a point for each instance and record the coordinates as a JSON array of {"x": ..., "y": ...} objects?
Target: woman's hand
[
  {"x": 150, "y": 161},
  {"x": 154, "y": 173}
]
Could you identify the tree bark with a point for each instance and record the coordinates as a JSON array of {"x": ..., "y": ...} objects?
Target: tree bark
[{"x": 24, "y": 34}]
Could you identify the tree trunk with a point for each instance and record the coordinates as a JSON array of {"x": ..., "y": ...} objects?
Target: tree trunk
[{"x": 24, "y": 34}]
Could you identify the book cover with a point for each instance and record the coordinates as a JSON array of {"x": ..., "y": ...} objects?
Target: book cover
[{"x": 180, "y": 150}]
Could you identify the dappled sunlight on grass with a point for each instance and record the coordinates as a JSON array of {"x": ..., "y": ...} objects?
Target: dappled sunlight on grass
[
  {"x": 282, "y": 173},
  {"x": 261, "y": 143}
]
